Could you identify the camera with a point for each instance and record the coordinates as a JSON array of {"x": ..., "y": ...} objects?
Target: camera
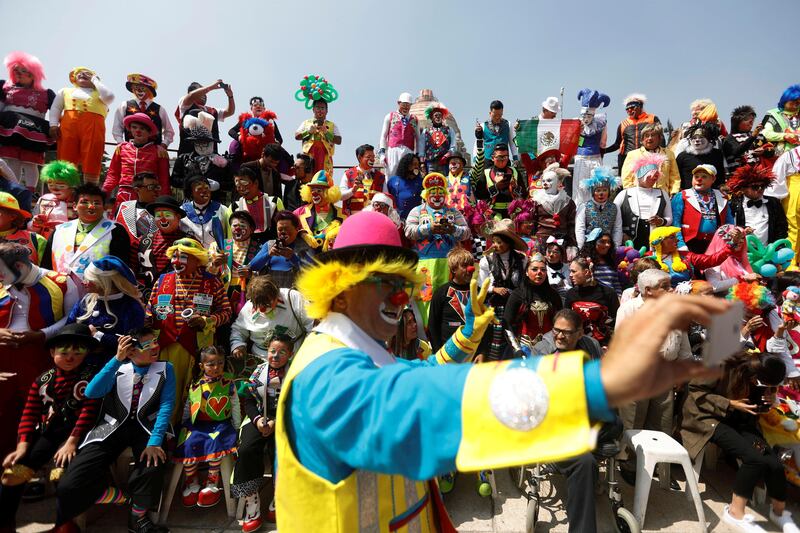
[
  {"x": 222, "y": 85},
  {"x": 280, "y": 242}
]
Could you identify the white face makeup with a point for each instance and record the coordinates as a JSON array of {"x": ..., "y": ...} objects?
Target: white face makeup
[
  {"x": 203, "y": 147},
  {"x": 436, "y": 197},
  {"x": 390, "y": 316},
  {"x": 240, "y": 229},
  {"x": 317, "y": 194},
  {"x": 179, "y": 261},
  {"x": 699, "y": 143}
]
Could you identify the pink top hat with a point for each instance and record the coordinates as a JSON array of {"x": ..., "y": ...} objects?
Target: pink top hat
[
  {"x": 141, "y": 118},
  {"x": 366, "y": 235}
]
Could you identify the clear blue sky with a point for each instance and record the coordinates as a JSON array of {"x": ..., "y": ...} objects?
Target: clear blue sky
[{"x": 732, "y": 51}]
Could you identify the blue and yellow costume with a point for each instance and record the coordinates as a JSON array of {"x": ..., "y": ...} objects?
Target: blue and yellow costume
[{"x": 357, "y": 434}]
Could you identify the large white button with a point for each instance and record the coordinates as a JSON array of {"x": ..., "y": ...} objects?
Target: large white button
[{"x": 519, "y": 399}]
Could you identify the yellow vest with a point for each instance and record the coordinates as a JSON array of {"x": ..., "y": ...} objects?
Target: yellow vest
[
  {"x": 92, "y": 105},
  {"x": 329, "y": 146},
  {"x": 363, "y": 501}
]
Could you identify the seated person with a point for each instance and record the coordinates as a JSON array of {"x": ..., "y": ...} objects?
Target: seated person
[
  {"x": 725, "y": 412},
  {"x": 54, "y": 420},
  {"x": 135, "y": 413}
]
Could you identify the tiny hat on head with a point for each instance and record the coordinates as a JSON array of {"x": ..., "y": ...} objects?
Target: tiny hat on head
[
  {"x": 9, "y": 202},
  {"x": 709, "y": 169},
  {"x": 109, "y": 265},
  {"x": 141, "y": 79},
  {"x": 168, "y": 202},
  {"x": 434, "y": 179},
  {"x": 73, "y": 74},
  {"x": 404, "y": 98},
  {"x": 74, "y": 332},
  {"x": 592, "y": 99},
  {"x": 505, "y": 227},
  {"x": 140, "y": 118},
  {"x": 551, "y": 104},
  {"x": 320, "y": 179}
]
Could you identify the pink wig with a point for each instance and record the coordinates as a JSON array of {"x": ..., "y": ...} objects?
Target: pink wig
[
  {"x": 30, "y": 63},
  {"x": 737, "y": 265}
]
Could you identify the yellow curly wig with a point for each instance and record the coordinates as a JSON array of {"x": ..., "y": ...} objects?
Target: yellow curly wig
[
  {"x": 332, "y": 195},
  {"x": 656, "y": 236},
  {"x": 323, "y": 282}
]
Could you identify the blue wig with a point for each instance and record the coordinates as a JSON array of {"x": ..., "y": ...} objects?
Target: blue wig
[
  {"x": 791, "y": 93},
  {"x": 600, "y": 176}
]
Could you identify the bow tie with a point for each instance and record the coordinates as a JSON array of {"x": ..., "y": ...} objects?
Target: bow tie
[
  {"x": 755, "y": 203},
  {"x": 558, "y": 274}
]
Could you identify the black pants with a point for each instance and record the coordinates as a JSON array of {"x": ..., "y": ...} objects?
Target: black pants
[
  {"x": 582, "y": 477},
  {"x": 41, "y": 451},
  {"x": 758, "y": 461},
  {"x": 87, "y": 475},
  {"x": 248, "y": 474}
]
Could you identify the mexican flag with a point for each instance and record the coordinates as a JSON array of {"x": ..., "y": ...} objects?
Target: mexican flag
[{"x": 537, "y": 136}]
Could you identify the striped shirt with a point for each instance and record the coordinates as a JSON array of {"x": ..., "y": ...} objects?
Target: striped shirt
[
  {"x": 45, "y": 402},
  {"x": 186, "y": 289}
]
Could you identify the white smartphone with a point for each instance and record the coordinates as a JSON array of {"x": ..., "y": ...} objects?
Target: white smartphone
[{"x": 723, "y": 336}]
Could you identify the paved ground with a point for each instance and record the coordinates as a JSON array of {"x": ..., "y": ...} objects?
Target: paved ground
[{"x": 667, "y": 510}]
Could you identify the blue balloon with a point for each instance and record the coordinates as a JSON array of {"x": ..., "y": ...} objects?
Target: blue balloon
[
  {"x": 784, "y": 255},
  {"x": 769, "y": 270}
]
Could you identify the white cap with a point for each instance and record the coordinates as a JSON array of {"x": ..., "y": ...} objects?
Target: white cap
[
  {"x": 383, "y": 199},
  {"x": 551, "y": 104},
  {"x": 404, "y": 98}
]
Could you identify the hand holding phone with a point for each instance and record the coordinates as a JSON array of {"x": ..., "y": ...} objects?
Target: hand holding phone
[{"x": 723, "y": 336}]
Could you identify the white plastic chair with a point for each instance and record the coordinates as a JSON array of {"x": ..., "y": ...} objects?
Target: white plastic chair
[{"x": 653, "y": 448}]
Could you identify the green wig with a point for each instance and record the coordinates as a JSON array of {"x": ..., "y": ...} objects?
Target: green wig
[{"x": 61, "y": 171}]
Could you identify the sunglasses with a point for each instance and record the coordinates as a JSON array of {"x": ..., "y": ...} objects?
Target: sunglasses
[{"x": 395, "y": 285}]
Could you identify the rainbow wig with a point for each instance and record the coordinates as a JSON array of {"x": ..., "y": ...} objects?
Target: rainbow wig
[
  {"x": 649, "y": 162},
  {"x": 322, "y": 282},
  {"x": 440, "y": 107},
  {"x": 791, "y": 93},
  {"x": 753, "y": 295},
  {"x": 656, "y": 237},
  {"x": 600, "y": 177},
  {"x": 61, "y": 171},
  {"x": 29, "y": 63}
]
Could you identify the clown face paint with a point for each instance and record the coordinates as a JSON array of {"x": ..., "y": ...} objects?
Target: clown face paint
[
  {"x": 139, "y": 132},
  {"x": 436, "y": 197},
  {"x": 22, "y": 76},
  {"x": 550, "y": 182},
  {"x": 141, "y": 92},
  {"x": 68, "y": 357},
  {"x": 278, "y": 354},
  {"x": 203, "y": 147},
  {"x": 240, "y": 229},
  {"x": 587, "y": 117},
  {"x": 380, "y": 207},
  {"x": 699, "y": 142},
  {"x": 89, "y": 208},
  {"x": 437, "y": 118},
  {"x": 245, "y": 186},
  {"x": 257, "y": 106},
  {"x": 600, "y": 194},
  {"x": 318, "y": 195},
  {"x": 456, "y": 166},
  {"x": 201, "y": 193},
  {"x": 167, "y": 220},
  {"x": 179, "y": 261},
  {"x": 60, "y": 190}
]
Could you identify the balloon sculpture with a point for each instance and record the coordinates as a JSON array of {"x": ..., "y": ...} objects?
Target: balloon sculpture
[
  {"x": 771, "y": 259},
  {"x": 313, "y": 87}
]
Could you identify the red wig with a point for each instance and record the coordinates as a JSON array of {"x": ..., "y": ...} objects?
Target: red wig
[
  {"x": 29, "y": 63},
  {"x": 750, "y": 175}
]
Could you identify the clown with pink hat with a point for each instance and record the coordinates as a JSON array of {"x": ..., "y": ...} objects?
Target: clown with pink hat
[
  {"x": 434, "y": 228},
  {"x": 136, "y": 156},
  {"x": 143, "y": 89},
  {"x": 382, "y": 418},
  {"x": 24, "y": 132}
]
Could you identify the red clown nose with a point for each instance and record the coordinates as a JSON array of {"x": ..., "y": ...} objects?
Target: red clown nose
[
  {"x": 399, "y": 298},
  {"x": 470, "y": 269}
]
